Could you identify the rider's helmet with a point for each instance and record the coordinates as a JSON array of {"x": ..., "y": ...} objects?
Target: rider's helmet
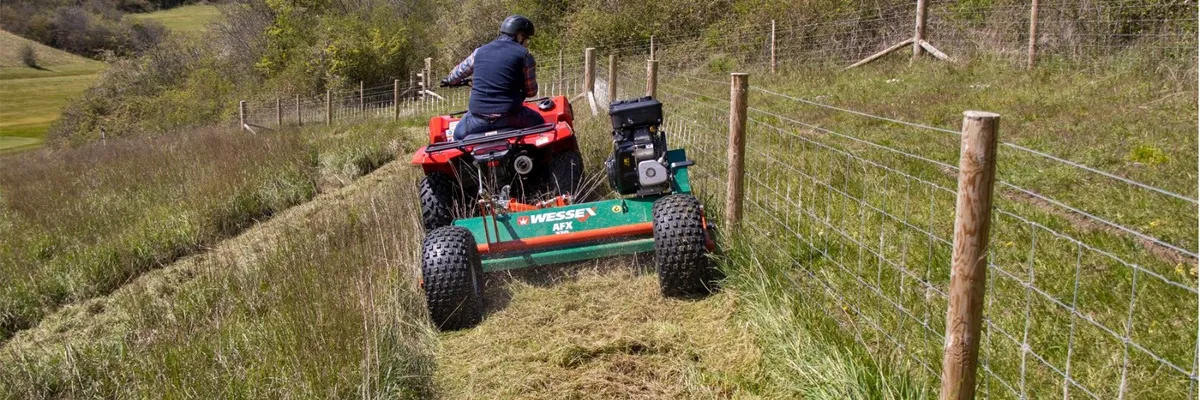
[{"x": 515, "y": 24}]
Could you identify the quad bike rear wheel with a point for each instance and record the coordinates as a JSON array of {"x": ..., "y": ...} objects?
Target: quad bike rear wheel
[
  {"x": 565, "y": 173},
  {"x": 680, "y": 254},
  {"x": 452, "y": 277},
  {"x": 437, "y": 196}
]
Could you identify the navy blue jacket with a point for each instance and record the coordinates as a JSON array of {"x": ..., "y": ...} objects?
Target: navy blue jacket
[{"x": 505, "y": 74}]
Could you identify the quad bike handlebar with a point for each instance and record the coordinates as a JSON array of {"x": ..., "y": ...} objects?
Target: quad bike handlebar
[{"x": 446, "y": 84}]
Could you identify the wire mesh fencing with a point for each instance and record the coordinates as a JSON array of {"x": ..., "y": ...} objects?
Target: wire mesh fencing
[{"x": 1091, "y": 282}]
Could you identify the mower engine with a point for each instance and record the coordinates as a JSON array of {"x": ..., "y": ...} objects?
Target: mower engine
[{"x": 638, "y": 164}]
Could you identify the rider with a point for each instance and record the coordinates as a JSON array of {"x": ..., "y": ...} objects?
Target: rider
[{"x": 505, "y": 74}]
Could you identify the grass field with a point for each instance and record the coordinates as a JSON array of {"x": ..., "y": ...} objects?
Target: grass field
[
  {"x": 32, "y": 98},
  {"x": 184, "y": 19}
]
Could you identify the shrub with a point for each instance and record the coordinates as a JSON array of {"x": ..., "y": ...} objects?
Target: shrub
[{"x": 28, "y": 56}]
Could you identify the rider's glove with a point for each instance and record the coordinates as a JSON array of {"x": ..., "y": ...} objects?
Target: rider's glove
[{"x": 445, "y": 82}]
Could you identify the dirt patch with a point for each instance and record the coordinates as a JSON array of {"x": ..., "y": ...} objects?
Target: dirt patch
[{"x": 597, "y": 330}]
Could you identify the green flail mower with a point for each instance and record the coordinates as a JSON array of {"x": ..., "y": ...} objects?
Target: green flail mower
[{"x": 655, "y": 213}]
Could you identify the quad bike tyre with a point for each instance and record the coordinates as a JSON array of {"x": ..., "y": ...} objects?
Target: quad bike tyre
[
  {"x": 452, "y": 277},
  {"x": 565, "y": 173},
  {"x": 680, "y": 254},
  {"x": 437, "y": 196}
]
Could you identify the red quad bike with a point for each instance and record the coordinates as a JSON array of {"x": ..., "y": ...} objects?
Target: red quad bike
[{"x": 525, "y": 164}]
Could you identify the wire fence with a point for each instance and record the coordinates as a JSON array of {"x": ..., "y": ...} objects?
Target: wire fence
[{"x": 1081, "y": 302}]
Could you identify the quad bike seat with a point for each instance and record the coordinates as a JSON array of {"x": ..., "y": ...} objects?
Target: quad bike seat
[{"x": 489, "y": 137}]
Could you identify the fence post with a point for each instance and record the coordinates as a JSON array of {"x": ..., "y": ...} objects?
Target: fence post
[
  {"x": 278, "y": 112},
  {"x": 328, "y": 107},
  {"x": 772, "y": 46},
  {"x": 396, "y": 98},
  {"x": 652, "y": 48},
  {"x": 589, "y": 69},
  {"x": 242, "y": 115},
  {"x": 651, "y": 78},
  {"x": 299, "y": 117},
  {"x": 560, "y": 68},
  {"x": 361, "y": 105},
  {"x": 428, "y": 72},
  {"x": 919, "y": 33},
  {"x": 612, "y": 78},
  {"x": 972, "y": 224},
  {"x": 1033, "y": 34},
  {"x": 738, "y": 85}
]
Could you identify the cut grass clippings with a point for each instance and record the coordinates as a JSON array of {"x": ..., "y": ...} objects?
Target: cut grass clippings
[{"x": 82, "y": 222}]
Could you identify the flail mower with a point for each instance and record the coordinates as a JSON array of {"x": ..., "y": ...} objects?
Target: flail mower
[{"x": 522, "y": 185}]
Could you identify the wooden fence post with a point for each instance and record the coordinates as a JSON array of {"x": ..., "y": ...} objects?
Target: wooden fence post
[
  {"x": 242, "y": 115},
  {"x": 651, "y": 78},
  {"x": 396, "y": 98},
  {"x": 428, "y": 72},
  {"x": 652, "y": 48},
  {"x": 328, "y": 107},
  {"x": 772, "y": 46},
  {"x": 919, "y": 33},
  {"x": 560, "y": 68},
  {"x": 361, "y": 105},
  {"x": 299, "y": 115},
  {"x": 612, "y": 78},
  {"x": 589, "y": 69},
  {"x": 972, "y": 224},
  {"x": 738, "y": 85},
  {"x": 1033, "y": 34},
  {"x": 278, "y": 112}
]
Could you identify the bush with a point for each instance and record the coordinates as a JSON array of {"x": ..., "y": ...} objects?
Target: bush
[{"x": 28, "y": 56}]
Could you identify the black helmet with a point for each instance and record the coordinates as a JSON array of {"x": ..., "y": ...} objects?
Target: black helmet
[{"x": 515, "y": 24}]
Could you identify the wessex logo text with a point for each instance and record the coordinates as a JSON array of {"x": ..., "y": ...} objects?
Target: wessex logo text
[{"x": 581, "y": 215}]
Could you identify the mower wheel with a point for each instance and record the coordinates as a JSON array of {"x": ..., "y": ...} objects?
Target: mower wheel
[
  {"x": 452, "y": 277},
  {"x": 565, "y": 173},
  {"x": 437, "y": 194},
  {"x": 679, "y": 247}
]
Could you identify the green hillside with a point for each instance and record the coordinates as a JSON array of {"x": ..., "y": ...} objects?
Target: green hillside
[
  {"x": 185, "y": 19},
  {"x": 32, "y": 98}
]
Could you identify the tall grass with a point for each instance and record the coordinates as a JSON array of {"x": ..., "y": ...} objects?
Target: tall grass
[
  {"x": 320, "y": 302},
  {"x": 78, "y": 223}
]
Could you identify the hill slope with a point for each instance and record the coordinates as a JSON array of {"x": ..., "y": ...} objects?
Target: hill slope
[{"x": 32, "y": 98}]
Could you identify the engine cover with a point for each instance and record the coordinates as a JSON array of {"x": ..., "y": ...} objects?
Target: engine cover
[{"x": 636, "y": 165}]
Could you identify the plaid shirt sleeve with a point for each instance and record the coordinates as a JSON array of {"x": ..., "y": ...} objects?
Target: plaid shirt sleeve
[
  {"x": 463, "y": 70},
  {"x": 531, "y": 85}
]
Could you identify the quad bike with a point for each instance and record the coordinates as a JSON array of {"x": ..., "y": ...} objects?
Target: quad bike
[
  {"x": 523, "y": 163},
  {"x": 655, "y": 213}
]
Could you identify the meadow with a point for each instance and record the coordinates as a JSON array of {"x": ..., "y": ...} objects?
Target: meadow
[
  {"x": 32, "y": 98},
  {"x": 187, "y": 19}
]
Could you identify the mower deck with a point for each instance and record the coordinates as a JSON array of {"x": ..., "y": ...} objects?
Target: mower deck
[{"x": 570, "y": 233}]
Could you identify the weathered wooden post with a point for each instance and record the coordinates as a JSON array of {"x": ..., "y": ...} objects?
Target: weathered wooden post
[
  {"x": 612, "y": 78},
  {"x": 772, "y": 46},
  {"x": 919, "y": 33},
  {"x": 652, "y": 48},
  {"x": 299, "y": 115},
  {"x": 361, "y": 106},
  {"x": 651, "y": 78},
  {"x": 278, "y": 112},
  {"x": 972, "y": 224},
  {"x": 242, "y": 115},
  {"x": 738, "y": 85},
  {"x": 328, "y": 107},
  {"x": 428, "y": 72},
  {"x": 560, "y": 68},
  {"x": 1033, "y": 34},
  {"x": 589, "y": 69}
]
